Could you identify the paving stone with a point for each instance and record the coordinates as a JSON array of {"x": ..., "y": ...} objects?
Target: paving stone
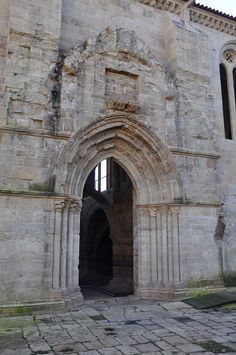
[
  {"x": 146, "y": 348},
  {"x": 190, "y": 348},
  {"x": 109, "y": 351},
  {"x": 173, "y": 352},
  {"x": 90, "y": 352},
  {"x": 140, "y": 339},
  {"x": 23, "y": 351},
  {"x": 127, "y": 337},
  {"x": 128, "y": 350},
  {"x": 151, "y": 336},
  {"x": 93, "y": 345},
  {"x": 163, "y": 345},
  {"x": 68, "y": 348},
  {"x": 176, "y": 340},
  {"x": 109, "y": 341},
  {"x": 126, "y": 341},
  {"x": 39, "y": 346}
]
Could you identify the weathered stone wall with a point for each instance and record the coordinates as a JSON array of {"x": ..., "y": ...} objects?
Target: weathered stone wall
[
  {"x": 32, "y": 51},
  {"x": 26, "y": 231},
  {"x": 27, "y": 162},
  {"x": 199, "y": 247},
  {"x": 65, "y": 63}
]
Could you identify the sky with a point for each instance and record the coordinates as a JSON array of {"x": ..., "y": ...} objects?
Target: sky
[{"x": 227, "y": 6}]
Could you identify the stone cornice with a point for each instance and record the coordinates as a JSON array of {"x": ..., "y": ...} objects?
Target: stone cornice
[
  {"x": 32, "y": 133},
  {"x": 198, "y": 14},
  {"x": 33, "y": 194},
  {"x": 187, "y": 152},
  {"x": 213, "y": 21},
  {"x": 58, "y": 198}
]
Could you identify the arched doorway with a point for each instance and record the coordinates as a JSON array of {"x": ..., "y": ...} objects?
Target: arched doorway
[
  {"x": 106, "y": 230},
  {"x": 156, "y": 202}
]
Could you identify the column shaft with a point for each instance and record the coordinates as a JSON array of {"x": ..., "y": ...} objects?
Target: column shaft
[
  {"x": 64, "y": 247},
  {"x": 57, "y": 246}
]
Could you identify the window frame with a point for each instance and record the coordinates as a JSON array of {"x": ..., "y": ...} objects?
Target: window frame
[
  {"x": 99, "y": 176},
  {"x": 228, "y": 60}
]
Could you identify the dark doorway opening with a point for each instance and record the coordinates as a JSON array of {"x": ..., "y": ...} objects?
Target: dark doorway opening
[{"x": 106, "y": 235}]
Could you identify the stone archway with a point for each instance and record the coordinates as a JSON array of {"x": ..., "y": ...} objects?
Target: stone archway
[{"x": 157, "y": 192}]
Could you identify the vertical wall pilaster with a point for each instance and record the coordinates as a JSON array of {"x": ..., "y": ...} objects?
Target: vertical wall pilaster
[
  {"x": 76, "y": 242},
  {"x": 175, "y": 243},
  {"x": 154, "y": 247},
  {"x": 63, "y": 263},
  {"x": 144, "y": 250},
  {"x": 66, "y": 244},
  {"x": 159, "y": 247},
  {"x": 57, "y": 244},
  {"x": 164, "y": 244},
  {"x": 70, "y": 245}
]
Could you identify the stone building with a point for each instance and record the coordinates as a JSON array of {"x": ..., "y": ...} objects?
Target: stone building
[{"x": 118, "y": 148}]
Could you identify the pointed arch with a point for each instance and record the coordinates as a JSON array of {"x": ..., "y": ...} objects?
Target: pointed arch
[{"x": 138, "y": 150}]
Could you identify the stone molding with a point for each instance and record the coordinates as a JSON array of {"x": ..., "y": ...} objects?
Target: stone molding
[
  {"x": 67, "y": 136},
  {"x": 205, "y": 18},
  {"x": 117, "y": 105},
  {"x": 159, "y": 242},
  {"x": 131, "y": 143},
  {"x": 66, "y": 244},
  {"x": 34, "y": 133},
  {"x": 215, "y": 22},
  {"x": 176, "y": 206}
]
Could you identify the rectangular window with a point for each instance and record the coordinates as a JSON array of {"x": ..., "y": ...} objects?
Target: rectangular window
[{"x": 103, "y": 175}]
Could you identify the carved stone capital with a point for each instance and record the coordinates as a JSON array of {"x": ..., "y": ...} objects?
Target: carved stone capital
[
  {"x": 154, "y": 211},
  {"x": 76, "y": 205},
  {"x": 174, "y": 209},
  {"x": 59, "y": 206}
]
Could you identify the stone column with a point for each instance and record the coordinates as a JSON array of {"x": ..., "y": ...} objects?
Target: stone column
[
  {"x": 164, "y": 245},
  {"x": 175, "y": 245},
  {"x": 64, "y": 236},
  {"x": 57, "y": 244},
  {"x": 144, "y": 248},
  {"x": 76, "y": 209},
  {"x": 153, "y": 240},
  {"x": 70, "y": 245}
]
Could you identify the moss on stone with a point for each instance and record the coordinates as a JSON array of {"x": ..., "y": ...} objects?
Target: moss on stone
[
  {"x": 201, "y": 282},
  {"x": 12, "y": 325},
  {"x": 200, "y": 292},
  {"x": 16, "y": 311}
]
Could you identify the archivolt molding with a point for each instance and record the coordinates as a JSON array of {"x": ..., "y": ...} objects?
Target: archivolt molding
[
  {"x": 112, "y": 40},
  {"x": 147, "y": 161}
]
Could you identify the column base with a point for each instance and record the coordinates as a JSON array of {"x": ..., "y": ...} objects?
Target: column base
[
  {"x": 120, "y": 287},
  {"x": 72, "y": 297}
]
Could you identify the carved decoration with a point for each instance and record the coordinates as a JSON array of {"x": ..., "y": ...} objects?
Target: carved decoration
[
  {"x": 59, "y": 205},
  {"x": 230, "y": 55},
  {"x": 123, "y": 106}
]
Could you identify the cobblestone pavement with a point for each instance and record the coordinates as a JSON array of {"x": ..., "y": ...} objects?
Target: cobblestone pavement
[{"x": 122, "y": 326}]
